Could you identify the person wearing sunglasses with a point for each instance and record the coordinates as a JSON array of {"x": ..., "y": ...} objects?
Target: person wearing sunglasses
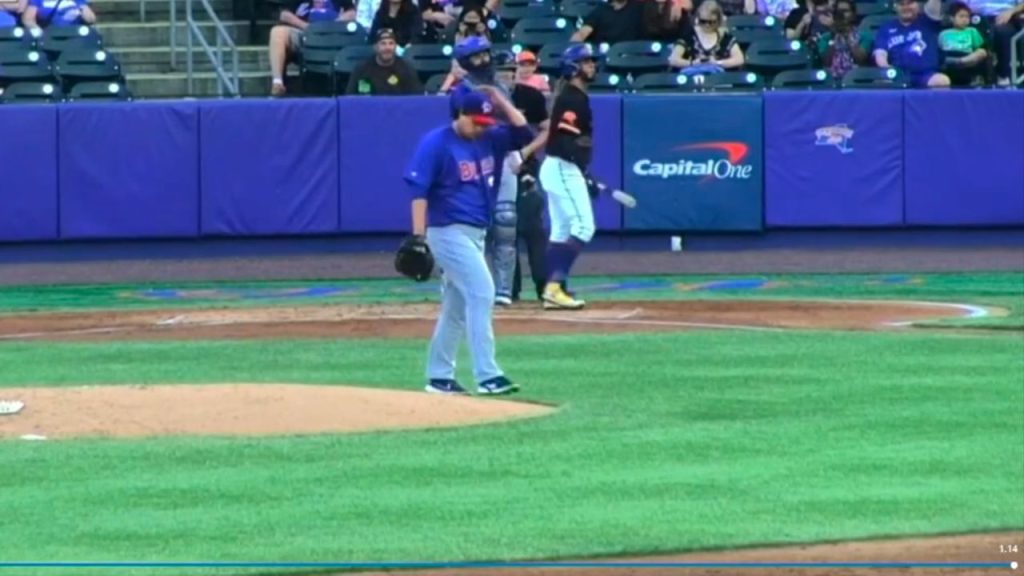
[{"x": 709, "y": 43}]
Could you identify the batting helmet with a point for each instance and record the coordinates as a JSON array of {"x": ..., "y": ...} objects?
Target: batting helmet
[
  {"x": 574, "y": 56},
  {"x": 469, "y": 47}
]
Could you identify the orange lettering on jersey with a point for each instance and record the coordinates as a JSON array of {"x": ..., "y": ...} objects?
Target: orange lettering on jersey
[{"x": 568, "y": 122}]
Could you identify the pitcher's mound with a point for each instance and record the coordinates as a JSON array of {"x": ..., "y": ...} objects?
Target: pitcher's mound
[{"x": 241, "y": 410}]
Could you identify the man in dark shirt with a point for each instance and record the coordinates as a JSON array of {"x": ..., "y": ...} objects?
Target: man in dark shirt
[
  {"x": 612, "y": 22},
  {"x": 286, "y": 37},
  {"x": 385, "y": 73}
]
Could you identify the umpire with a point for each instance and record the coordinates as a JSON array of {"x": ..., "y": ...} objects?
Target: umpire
[{"x": 530, "y": 200}]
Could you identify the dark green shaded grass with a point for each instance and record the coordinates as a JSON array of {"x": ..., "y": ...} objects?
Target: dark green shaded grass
[{"x": 664, "y": 442}]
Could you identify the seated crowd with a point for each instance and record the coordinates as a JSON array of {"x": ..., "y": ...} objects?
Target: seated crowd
[
  {"x": 966, "y": 42},
  {"x": 40, "y": 14}
]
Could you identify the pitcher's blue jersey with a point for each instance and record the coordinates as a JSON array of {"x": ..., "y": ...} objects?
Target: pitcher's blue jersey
[{"x": 457, "y": 176}]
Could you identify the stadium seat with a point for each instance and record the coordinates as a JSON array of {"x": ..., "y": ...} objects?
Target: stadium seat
[
  {"x": 534, "y": 33},
  {"x": 335, "y": 35},
  {"x": 322, "y": 42},
  {"x": 750, "y": 28},
  {"x": 638, "y": 57},
  {"x": 608, "y": 83},
  {"x": 550, "y": 57},
  {"x": 873, "y": 23},
  {"x": 769, "y": 57},
  {"x": 100, "y": 91},
  {"x": 434, "y": 83},
  {"x": 662, "y": 82},
  {"x": 753, "y": 21},
  {"x": 733, "y": 82},
  {"x": 747, "y": 36},
  {"x": 803, "y": 80},
  {"x": 86, "y": 65},
  {"x": 17, "y": 36},
  {"x": 869, "y": 77},
  {"x": 429, "y": 59},
  {"x": 579, "y": 9},
  {"x": 25, "y": 66},
  {"x": 872, "y": 8},
  {"x": 31, "y": 93},
  {"x": 57, "y": 39},
  {"x": 345, "y": 62},
  {"x": 513, "y": 11}
]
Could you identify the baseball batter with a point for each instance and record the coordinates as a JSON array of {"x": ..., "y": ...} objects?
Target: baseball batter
[
  {"x": 474, "y": 55},
  {"x": 563, "y": 174},
  {"x": 452, "y": 179}
]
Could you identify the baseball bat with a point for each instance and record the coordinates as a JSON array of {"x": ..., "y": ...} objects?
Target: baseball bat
[{"x": 621, "y": 197}]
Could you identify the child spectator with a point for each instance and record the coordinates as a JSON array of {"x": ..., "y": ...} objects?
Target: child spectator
[{"x": 963, "y": 48}]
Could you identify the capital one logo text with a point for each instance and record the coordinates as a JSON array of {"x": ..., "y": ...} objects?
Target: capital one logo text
[{"x": 697, "y": 164}]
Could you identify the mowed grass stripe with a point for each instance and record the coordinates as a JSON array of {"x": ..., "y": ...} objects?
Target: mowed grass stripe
[{"x": 665, "y": 442}]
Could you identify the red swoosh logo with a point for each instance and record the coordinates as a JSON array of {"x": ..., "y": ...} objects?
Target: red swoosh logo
[{"x": 736, "y": 151}]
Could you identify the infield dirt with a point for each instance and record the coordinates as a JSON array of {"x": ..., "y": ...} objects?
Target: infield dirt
[{"x": 417, "y": 320}]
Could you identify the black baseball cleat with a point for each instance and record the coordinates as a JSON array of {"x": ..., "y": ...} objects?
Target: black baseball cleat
[
  {"x": 497, "y": 385},
  {"x": 443, "y": 386}
]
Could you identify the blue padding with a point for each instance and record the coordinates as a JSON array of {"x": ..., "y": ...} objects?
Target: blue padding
[
  {"x": 129, "y": 170},
  {"x": 269, "y": 167},
  {"x": 28, "y": 173}
]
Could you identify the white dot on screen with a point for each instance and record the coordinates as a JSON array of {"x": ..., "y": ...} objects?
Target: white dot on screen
[{"x": 1013, "y": 565}]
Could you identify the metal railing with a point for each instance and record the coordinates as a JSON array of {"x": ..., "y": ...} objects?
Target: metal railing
[
  {"x": 1016, "y": 76},
  {"x": 226, "y": 82}
]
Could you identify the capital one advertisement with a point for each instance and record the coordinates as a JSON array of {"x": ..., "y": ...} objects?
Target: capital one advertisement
[{"x": 694, "y": 162}]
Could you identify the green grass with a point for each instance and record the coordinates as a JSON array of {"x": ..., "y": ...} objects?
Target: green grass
[{"x": 665, "y": 442}]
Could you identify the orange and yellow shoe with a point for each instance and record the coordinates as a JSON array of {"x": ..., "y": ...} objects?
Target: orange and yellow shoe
[{"x": 555, "y": 298}]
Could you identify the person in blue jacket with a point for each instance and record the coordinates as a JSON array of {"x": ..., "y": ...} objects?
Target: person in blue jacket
[{"x": 452, "y": 177}]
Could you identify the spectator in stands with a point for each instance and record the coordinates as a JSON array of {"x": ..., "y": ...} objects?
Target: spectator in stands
[
  {"x": 612, "y": 22},
  {"x": 708, "y": 46},
  {"x": 809, "y": 21},
  {"x": 910, "y": 42},
  {"x": 777, "y": 8},
  {"x": 526, "y": 72},
  {"x": 664, "y": 20},
  {"x": 384, "y": 73},
  {"x": 1006, "y": 18},
  {"x": 402, "y": 17},
  {"x": 286, "y": 37},
  {"x": 11, "y": 11},
  {"x": 963, "y": 49},
  {"x": 366, "y": 11},
  {"x": 845, "y": 46},
  {"x": 472, "y": 22},
  {"x": 46, "y": 13},
  {"x": 437, "y": 16}
]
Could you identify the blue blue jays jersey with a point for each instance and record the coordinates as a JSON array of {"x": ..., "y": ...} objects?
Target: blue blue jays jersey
[{"x": 457, "y": 176}]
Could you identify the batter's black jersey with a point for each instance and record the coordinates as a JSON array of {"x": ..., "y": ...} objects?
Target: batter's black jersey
[{"x": 572, "y": 127}]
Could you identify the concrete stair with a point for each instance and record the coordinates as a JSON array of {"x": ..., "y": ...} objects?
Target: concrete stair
[{"x": 143, "y": 48}]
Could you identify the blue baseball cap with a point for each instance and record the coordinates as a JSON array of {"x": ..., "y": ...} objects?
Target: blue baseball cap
[{"x": 477, "y": 106}]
